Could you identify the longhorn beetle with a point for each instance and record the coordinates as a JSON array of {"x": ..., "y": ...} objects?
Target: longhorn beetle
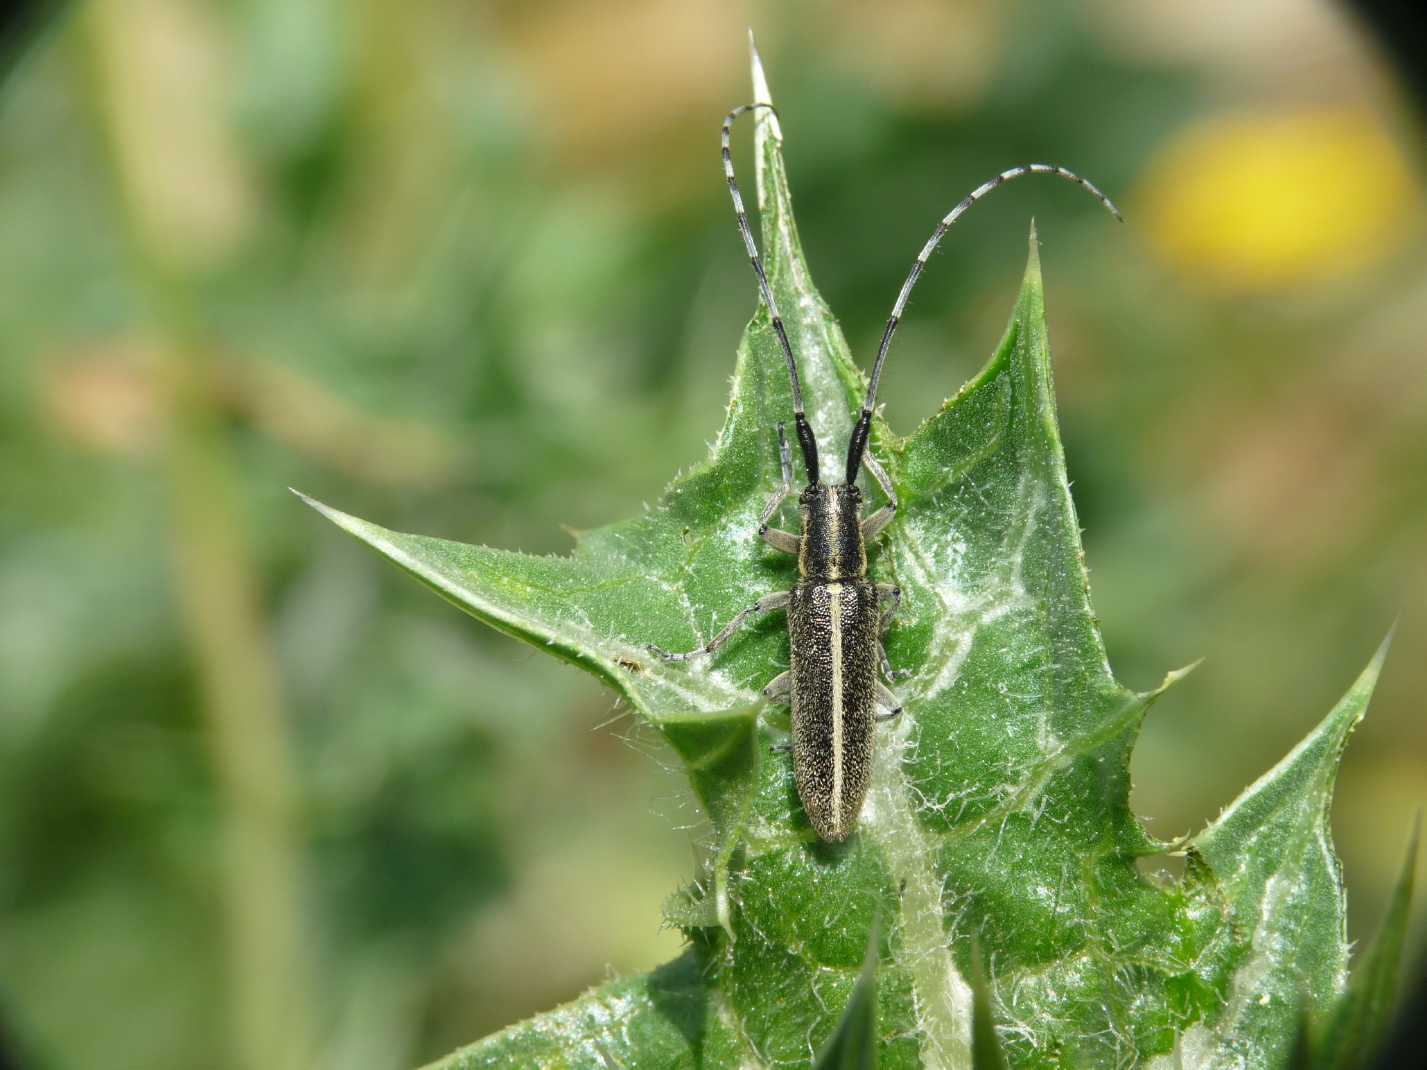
[{"x": 835, "y": 613}]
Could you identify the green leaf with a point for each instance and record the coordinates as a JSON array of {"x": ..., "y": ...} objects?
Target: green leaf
[
  {"x": 1360, "y": 1019},
  {"x": 1300, "y": 1053},
  {"x": 999, "y": 809},
  {"x": 986, "y": 1051},
  {"x": 1271, "y": 853},
  {"x": 853, "y": 1044},
  {"x": 654, "y": 1020}
]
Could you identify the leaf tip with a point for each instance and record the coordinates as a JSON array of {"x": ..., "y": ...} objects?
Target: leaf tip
[
  {"x": 1363, "y": 687},
  {"x": 853, "y": 1043},
  {"x": 1409, "y": 860},
  {"x": 1353, "y": 706},
  {"x": 986, "y": 1050},
  {"x": 307, "y": 499},
  {"x": 1309, "y": 770},
  {"x": 1033, "y": 258},
  {"x": 343, "y": 520},
  {"x": 1174, "y": 676},
  {"x": 767, "y": 119},
  {"x": 1406, "y": 877},
  {"x": 1382, "y": 648}
]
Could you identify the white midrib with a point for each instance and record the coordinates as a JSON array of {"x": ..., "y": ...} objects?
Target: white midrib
[{"x": 942, "y": 996}]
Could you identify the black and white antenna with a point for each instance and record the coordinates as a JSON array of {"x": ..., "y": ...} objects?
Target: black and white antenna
[
  {"x": 858, "y": 444},
  {"x": 806, "y": 442}
]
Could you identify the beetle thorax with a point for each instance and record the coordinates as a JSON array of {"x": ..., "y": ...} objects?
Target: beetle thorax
[{"x": 831, "y": 544}]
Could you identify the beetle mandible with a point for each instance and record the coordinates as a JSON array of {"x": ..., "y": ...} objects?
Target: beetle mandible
[{"x": 836, "y": 614}]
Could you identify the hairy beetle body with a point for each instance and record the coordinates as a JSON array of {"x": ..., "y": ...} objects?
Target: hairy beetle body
[
  {"x": 833, "y": 639},
  {"x": 835, "y": 613},
  {"x": 833, "y": 635}
]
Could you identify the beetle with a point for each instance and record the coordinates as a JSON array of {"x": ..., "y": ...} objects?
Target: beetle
[{"x": 836, "y": 614}]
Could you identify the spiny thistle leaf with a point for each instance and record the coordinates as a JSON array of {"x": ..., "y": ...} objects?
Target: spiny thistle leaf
[
  {"x": 1357, "y": 1025},
  {"x": 986, "y": 1051},
  {"x": 853, "y": 1045},
  {"x": 1272, "y": 855},
  {"x": 999, "y": 809}
]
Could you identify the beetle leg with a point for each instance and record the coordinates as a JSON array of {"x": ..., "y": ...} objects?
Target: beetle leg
[
  {"x": 873, "y": 525},
  {"x": 887, "y": 701},
  {"x": 780, "y": 686},
  {"x": 892, "y": 674},
  {"x": 768, "y": 602},
  {"x": 889, "y": 592},
  {"x": 780, "y": 540}
]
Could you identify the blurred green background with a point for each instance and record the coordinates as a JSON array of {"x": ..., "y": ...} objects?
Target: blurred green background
[{"x": 470, "y": 270}]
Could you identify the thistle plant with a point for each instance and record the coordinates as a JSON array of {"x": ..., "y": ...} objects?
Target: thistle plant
[{"x": 989, "y": 910}]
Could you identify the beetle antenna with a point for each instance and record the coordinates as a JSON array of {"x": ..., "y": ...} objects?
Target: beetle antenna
[
  {"x": 806, "y": 442},
  {"x": 860, "y": 432}
]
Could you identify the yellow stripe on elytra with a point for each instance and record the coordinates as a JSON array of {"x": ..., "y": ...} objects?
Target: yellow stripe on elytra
[
  {"x": 834, "y": 533},
  {"x": 834, "y": 591},
  {"x": 803, "y": 540}
]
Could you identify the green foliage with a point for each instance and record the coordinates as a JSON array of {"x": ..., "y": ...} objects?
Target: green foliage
[
  {"x": 1356, "y": 1026},
  {"x": 1271, "y": 856},
  {"x": 853, "y": 1044},
  {"x": 986, "y": 1050},
  {"x": 999, "y": 811}
]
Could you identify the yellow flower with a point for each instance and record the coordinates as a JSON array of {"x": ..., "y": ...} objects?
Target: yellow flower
[{"x": 1262, "y": 201}]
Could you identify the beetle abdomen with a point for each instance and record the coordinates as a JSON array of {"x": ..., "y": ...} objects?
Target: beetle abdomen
[{"x": 833, "y": 632}]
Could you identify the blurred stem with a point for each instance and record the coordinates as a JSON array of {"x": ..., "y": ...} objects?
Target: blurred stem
[
  {"x": 217, "y": 586},
  {"x": 217, "y": 583}
]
